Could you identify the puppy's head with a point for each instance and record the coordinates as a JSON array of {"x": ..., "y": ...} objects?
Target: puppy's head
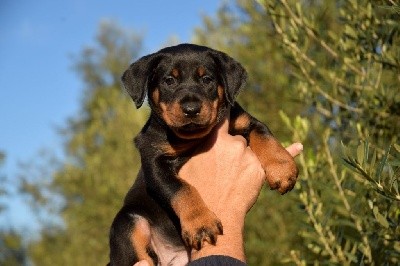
[{"x": 188, "y": 86}]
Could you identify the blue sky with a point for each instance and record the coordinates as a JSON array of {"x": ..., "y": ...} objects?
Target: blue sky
[{"x": 38, "y": 88}]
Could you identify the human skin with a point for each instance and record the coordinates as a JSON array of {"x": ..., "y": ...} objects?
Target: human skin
[{"x": 229, "y": 178}]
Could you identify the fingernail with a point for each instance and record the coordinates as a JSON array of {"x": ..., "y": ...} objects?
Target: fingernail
[{"x": 299, "y": 146}]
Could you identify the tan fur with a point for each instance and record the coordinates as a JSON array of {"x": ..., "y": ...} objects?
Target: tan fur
[
  {"x": 275, "y": 160},
  {"x": 175, "y": 73},
  {"x": 201, "y": 71},
  {"x": 195, "y": 217},
  {"x": 140, "y": 239}
]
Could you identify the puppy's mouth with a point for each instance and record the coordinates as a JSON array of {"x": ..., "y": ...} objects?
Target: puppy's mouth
[{"x": 192, "y": 130}]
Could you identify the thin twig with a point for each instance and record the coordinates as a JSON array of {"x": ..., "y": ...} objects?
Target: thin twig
[
  {"x": 346, "y": 204},
  {"x": 320, "y": 41},
  {"x": 323, "y": 93}
]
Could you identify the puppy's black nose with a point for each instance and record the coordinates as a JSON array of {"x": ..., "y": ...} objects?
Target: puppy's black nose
[{"x": 191, "y": 106}]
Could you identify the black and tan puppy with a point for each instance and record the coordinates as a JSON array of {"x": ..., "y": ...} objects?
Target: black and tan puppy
[{"x": 190, "y": 89}]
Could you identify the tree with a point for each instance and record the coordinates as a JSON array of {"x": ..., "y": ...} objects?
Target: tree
[
  {"x": 331, "y": 66},
  {"x": 339, "y": 60},
  {"x": 348, "y": 78},
  {"x": 12, "y": 249},
  {"x": 101, "y": 162},
  {"x": 245, "y": 31}
]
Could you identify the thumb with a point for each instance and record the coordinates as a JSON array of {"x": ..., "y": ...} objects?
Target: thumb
[
  {"x": 222, "y": 128},
  {"x": 295, "y": 149}
]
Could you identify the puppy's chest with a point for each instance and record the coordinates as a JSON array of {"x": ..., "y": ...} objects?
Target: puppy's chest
[
  {"x": 162, "y": 145},
  {"x": 179, "y": 150},
  {"x": 167, "y": 252}
]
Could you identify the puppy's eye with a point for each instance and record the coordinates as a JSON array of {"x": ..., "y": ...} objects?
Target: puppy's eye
[
  {"x": 169, "y": 80},
  {"x": 206, "y": 79}
]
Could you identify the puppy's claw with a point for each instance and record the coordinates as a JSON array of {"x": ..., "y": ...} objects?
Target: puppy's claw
[
  {"x": 207, "y": 231},
  {"x": 220, "y": 228}
]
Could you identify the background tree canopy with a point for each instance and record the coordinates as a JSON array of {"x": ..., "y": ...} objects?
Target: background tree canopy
[{"x": 326, "y": 73}]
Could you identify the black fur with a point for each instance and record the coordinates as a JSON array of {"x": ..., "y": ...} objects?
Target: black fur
[{"x": 190, "y": 90}]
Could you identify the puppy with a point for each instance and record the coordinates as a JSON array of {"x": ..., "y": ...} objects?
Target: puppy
[{"x": 190, "y": 89}]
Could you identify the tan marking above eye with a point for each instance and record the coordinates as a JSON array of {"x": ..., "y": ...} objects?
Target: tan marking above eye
[
  {"x": 201, "y": 71},
  {"x": 175, "y": 73},
  {"x": 156, "y": 96},
  {"x": 220, "y": 90}
]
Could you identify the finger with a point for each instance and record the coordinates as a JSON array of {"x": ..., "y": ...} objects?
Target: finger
[
  {"x": 223, "y": 127},
  {"x": 239, "y": 139},
  {"x": 295, "y": 149},
  {"x": 252, "y": 160}
]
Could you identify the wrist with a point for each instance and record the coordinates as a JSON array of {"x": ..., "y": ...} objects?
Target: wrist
[{"x": 229, "y": 244}]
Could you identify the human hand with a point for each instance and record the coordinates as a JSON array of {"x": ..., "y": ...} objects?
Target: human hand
[
  {"x": 222, "y": 159},
  {"x": 229, "y": 178}
]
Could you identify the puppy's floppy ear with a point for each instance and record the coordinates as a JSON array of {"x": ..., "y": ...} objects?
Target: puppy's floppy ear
[
  {"x": 232, "y": 73},
  {"x": 136, "y": 78}
]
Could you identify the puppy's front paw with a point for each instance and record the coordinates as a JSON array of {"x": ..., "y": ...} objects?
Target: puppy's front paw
[
  {"x": 279, "y": 166},
  {"x": 198, "y": 223},
  {"x": 281, "y": 173},
  {"x": 199, "y": 227}
]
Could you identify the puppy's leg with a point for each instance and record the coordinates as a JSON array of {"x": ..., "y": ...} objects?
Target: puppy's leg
[
  {"x": 280, "y": 169},
  {"x": 130, "y": 239},
  {"x": 198, "y": 223}
]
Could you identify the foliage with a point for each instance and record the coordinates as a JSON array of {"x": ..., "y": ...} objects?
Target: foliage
[
  {"x": 348, "y": 72},
  {"x": 101, "y": 162},
  {"x": 352, "y": 215},
  {"x": 382, "y": 176},
  {"x": 12, "y": 251},
  {"x": 343, "y": 69},
  {"x": 332, "y": 66},
  {"x": 12, "y": 248},
  {"x": 382, "y": 179},
  {"x": 347, "y": 76},
  {"x": 245, "y": 32}
]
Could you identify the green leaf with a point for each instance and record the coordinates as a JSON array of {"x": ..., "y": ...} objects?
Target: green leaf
[
  {"x": 350, "y": 31},
  {"x": 345, "y": 150},
  {"x": 372, "y": 164},
  {"x": 396, "y": 147},
  {"x": 380, "y": 218},
  {"x": 395, "y": 186},
  {"x": 344, "y": 222},
  {"x": 360, "y": 153},
  {"x": 369, "y": 10},
  {"x": 286, "y": 120},
  {"x": 382, "y": 164}
]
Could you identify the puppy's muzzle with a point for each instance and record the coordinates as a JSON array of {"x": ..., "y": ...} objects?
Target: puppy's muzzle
[{"x": 191, "y": 106}]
